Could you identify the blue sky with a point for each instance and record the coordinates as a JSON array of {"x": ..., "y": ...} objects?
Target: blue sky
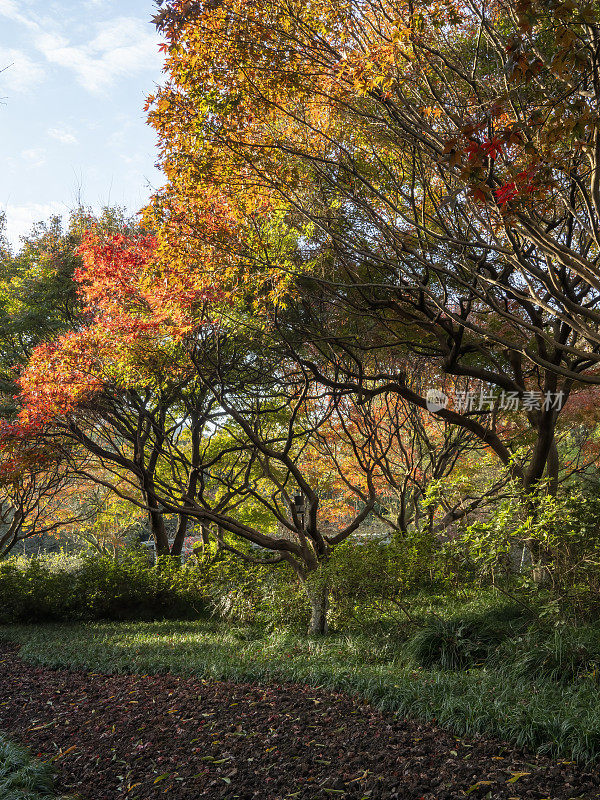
[{"x": 72, "y": 120}]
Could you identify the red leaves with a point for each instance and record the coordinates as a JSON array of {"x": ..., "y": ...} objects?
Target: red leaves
[
  {"x": 506, "y": 192},
  {"x": 492, "y": 147},
  {"x": 472, "y": 150},
  {"x": 23, "y": 450},
  {"x": 111, "y": 270},
  {"x": 58, "y": 377},
  {"x": 479, "y": 155},
  {"x": 522, "y": 184},
  {"x": 137, "y": 314}
]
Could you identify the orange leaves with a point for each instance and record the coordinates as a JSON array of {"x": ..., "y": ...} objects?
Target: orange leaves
[
  {"x": 60, "y": 376},
  {"x": 125, "y": 284},
  {"x": 23, "y": 451},
  {"x": 432, "y": 111}
]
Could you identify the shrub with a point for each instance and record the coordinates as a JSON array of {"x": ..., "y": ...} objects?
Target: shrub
[
  {"x": 30, "y": 589},
  {"x": 557, "y": 539},
  {"x": 98, "y": 587},
  {"x": 253, "y": 593},
  {"x": 376, "y": 574},
  {"x": 121, "y": 588},
  {"x": 362, "y": 576}
]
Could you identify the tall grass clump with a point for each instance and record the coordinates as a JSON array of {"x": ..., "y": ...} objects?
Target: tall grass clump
[
  {"x": 561, "y": 654},
  {"x": 21, "y": 776},
  {"x": 467, "y": 640},
  {"x": 453, "y": 644}
]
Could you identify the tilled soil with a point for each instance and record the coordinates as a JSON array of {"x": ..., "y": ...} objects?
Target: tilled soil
[{"x": 146, "y": 737}]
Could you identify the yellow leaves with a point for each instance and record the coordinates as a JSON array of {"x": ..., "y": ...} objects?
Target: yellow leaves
[
  {"x": 401, "y": 33},
  {"x": 62, "y": 753},
  {"x": 432, "y": 111},
  {"x": 516, "y": 776},
  {"x": 477, "y": 785}
]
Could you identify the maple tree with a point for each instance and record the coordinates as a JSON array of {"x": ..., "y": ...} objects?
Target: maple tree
[
  {"x": 363, "y": 199},
  {"x": 38, "y": 293},
  {"x": 409, "y": 453},
  {"x": 38, "y": 300},
  {"x": 420, "y": 177}
]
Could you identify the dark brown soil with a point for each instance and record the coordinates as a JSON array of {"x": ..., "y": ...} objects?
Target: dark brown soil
[{"x": 147, "y": 737}]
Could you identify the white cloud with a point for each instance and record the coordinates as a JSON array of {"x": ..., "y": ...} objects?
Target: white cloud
[
  {"x": 35, "y": 157},
  {"x": 20, "y": 73},
  {"x": 20, "y": 218},
  {"x": 124, "y": 46},
  {"x": 62, "y": 135},
  {"x": 11, "y": 10}
]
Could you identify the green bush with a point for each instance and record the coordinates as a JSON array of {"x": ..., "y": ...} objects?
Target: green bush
[
  {"x": 98, "y": 587},
  {"x": 118, "y": 588},
  {"x": 33, "y": 589},
  {"x": 251, "y": 593},
  {"x": 377, "y": 575},
  {"x": 363, "y": 577},
  {"x": 537, "y": 542}
]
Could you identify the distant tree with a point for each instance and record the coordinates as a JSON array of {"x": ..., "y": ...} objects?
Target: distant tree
[
  {"x": 38, "y": 301},
  {"x": 114, "y": 386}
]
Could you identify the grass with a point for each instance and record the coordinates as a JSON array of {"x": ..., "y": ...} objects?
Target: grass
[
  {"x": 549, "y": 716},
  {"x": 21, "y": 776}
]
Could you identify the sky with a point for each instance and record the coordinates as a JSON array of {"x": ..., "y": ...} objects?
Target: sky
[{"x": 72, "y": 126}]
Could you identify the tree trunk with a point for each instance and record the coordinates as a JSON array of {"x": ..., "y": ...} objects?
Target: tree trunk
[
  {"x": 553, "y": 469},
  {"x": 157, "y": 528},
  {"x": 542, "y": 450},
  {"x": 204, "y": 531},
  {"x": 318, "y": 595},
  {"x": 178, "y": 542}
]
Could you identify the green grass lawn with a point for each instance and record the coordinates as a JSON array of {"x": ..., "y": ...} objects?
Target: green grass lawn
[{"x": 562, "y": 718}]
